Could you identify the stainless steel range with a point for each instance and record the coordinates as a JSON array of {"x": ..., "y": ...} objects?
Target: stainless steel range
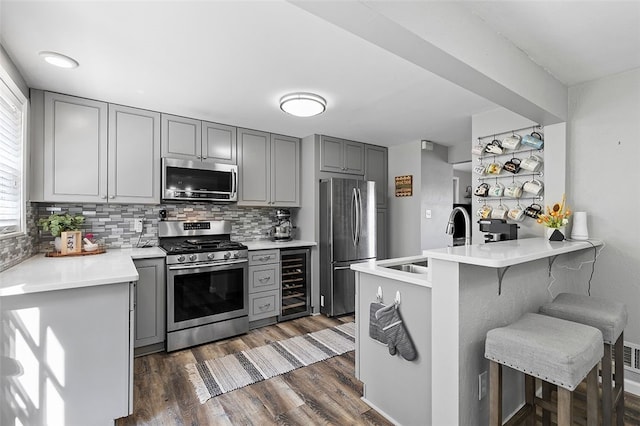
[{"x": 207, "y": 282}]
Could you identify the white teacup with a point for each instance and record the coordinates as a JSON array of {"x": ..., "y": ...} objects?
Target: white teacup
[{"x": 534, "y": 187}]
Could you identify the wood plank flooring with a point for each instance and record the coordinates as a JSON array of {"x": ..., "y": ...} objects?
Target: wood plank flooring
[{"x": 325, "y": 393}]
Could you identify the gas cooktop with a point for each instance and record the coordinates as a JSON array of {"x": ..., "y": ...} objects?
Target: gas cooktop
[{"x": 198, "y": 246}]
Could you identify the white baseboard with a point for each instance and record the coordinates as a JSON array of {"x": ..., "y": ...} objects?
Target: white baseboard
[
  {"x": 632, "y": 387},
  {"x": 379, "y": 411}
]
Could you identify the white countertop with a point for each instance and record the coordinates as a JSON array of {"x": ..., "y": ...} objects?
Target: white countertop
[
  {"x": 380, "y": 268},
  {"x": 40, "y": 273},
  {"x": 507, "y": 253},
  {"x": 270, "y": 245}
]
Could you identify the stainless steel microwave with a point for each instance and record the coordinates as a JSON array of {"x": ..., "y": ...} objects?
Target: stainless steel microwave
[{"x": 187, "y": 180}]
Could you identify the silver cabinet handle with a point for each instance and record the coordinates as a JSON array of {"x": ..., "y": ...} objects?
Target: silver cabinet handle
[
  {"x": 104, "y": 197},
  {"x": 265, "y": 306},
  {"x": 264, "y": 279},
  {"x": 264, "y": 258},
  {"x": 112, "y": 196}
]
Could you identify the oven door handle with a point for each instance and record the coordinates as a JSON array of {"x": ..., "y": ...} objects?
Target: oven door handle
[{"x": 197, "y": 266}]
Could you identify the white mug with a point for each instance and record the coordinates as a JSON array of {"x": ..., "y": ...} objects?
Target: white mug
[
  {"x": 500, "y": 212},
  {"x": 534, "y": 187},
  {"x": 496, "y": 190},
  {"x": 514, "y": 190},
  {"x": 479, "y": 169},
  {"x": 516, "y": 213},
  {"x": 477, "y": 149},
  {"x": 484, "y": 212},
  {"x": 532, "y": 164},
  {"x": 511, "y": 142}
]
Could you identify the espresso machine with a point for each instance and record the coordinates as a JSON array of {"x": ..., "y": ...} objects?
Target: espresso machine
[
  {"x": 498, "y": 230},
  {"x": 282, "y": 231}
]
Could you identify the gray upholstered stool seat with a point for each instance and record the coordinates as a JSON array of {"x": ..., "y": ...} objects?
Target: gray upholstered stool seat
[
  {"x": 557, "y": 351},
  {"x": 607, "y": 316},
  {"x": 551, "y": 349},
  {"x": 610, "y": 318}
]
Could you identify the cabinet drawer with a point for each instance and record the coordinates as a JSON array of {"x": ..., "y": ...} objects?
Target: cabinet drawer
[
  {"x": 262, "y": 278},
  {"x": 263, "y": 257},
  {"x": 263, "y": 305}
]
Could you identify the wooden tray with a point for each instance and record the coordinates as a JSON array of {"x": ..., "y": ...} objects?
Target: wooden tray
[{"x": 100, "y": 250}]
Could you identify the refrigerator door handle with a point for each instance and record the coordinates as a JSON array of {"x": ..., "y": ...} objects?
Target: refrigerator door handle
[
  {"x": 340, "y": 268},
  {"x": 358, "y": 215},
  {"x": 354, "y": 216}
]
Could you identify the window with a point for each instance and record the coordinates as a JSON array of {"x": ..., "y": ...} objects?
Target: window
[{"x": 12, "y": 143}]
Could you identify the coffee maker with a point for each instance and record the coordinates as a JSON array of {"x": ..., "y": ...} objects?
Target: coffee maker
[
  {"x": 283, "y": 229},
  {"x": 498, "y": 230}
]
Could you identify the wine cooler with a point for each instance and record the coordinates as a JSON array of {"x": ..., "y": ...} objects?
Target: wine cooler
[{"x": 295, "y": 284}]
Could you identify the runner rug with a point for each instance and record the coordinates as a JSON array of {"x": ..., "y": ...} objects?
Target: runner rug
[{"x": 214, "y": 377}]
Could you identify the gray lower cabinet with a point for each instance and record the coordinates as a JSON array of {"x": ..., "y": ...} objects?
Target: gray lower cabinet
[
  {"x": 264, "y": 287},
  {"x": 93, "y": 152},
  {"x": 150, "y": 306},
  {"x": 376, "y": 170},
  {"x": 341, "y": 156},
  {"x": 269, "y": 169}
]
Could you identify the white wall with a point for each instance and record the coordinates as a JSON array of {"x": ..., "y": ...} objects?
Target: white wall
[
  {"x": 7, "y": 66},
  {"x": 437, "y": 196},
  {"x": 603, "y": 179},
  {"x": 404, "y": 212}
]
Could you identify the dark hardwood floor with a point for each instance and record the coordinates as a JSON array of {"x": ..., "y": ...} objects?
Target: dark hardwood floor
[{"x": 325, "y": 393}]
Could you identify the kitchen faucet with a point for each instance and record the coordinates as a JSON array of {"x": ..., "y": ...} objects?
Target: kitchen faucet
[{"x": 467, "y": 224}]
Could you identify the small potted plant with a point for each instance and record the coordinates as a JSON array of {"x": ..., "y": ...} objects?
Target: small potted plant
[
  {"x": 57, "y": 223},
  {"x": 556, "y": 218}
]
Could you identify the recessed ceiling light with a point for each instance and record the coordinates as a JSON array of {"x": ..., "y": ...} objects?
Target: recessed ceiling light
[
  {"x": 58, "y": 59},
  {"x": 303, "y": 104}
]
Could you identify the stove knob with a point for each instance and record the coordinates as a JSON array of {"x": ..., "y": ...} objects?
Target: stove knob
[
  {"x": 236, "y": 255},
  {"x": 181, "y": 258},
  {"x": 211, "y": 256},
  {"x": 227, "y": 255},
  {"x": 193, "y": 257}
]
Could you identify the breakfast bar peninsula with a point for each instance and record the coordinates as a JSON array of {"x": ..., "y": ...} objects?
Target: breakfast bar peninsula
[{"x": 447, "y": 308}]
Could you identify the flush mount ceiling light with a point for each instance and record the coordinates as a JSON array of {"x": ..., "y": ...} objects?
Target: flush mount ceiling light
[
  {"x": 58, "y": 59},
  {"x": 303, "y": 104}
]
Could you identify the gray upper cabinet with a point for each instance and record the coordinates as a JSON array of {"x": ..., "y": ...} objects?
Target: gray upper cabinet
[
  {"x": 181, "y": 137},
  {"x": 191, "y": 139},
  {"x": 341, "y": 156},
  {"x": 89, "y": 151},
  {"x": 376, "y": 170},
  {"x": 269, "y": 169},
  {"x": 134, "y": 155},
  {"x": 218, "y": 143},
  {"x": 75, "y": 149}
]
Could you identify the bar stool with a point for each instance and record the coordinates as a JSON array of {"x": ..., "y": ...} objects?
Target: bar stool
[
  {"x": 610, "y": 318},
  {"x": 551, "y": 349}
]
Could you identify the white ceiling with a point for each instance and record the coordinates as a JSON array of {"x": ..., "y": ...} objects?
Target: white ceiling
[{"x": 230, "y": 62}]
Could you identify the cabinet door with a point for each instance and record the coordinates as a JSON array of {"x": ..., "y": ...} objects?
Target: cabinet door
[
  {"x": 75, "y": 149},
  {"x": 353, "y": 158},
  {"x": 134, "y": 155},
  {"x": 263, "y": 278},
  {"x": 150, "y": 307},
  {"x": 218, "y": 143},
  {"x": 331, "y": 154},
  {"x": 381, "y": 234},
  {"x": 264, "y": 305},
  {"x": 254, "y": 168},
  {"x": 181, "y": 137},
  {"x": 285, "y": 171},
  {"x": 376, "y": 170}
]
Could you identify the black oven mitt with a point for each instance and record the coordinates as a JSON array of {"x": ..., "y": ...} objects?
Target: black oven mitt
[{"x": 395, "y": 333}]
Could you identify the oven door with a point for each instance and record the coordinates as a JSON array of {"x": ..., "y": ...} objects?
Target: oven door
[{"x": 203, "y": 294}]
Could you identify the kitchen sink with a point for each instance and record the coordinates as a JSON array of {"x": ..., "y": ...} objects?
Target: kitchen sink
[{"x": 414, "y": 268}]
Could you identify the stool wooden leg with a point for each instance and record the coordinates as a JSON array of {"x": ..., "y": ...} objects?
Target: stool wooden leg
[
  {"x": 607, "y": 397},
  {"x": 547, "y": 388},
  {"x": 592, "y": 397},
  {"x": 495, "y": 394},
  {"x": 529, "y": 396},
  {"x": 565, "y": 402},
  {"x": 619, "y": 377}
]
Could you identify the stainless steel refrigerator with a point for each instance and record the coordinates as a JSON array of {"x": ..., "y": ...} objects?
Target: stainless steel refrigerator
[{"x": 347, "y": 236}]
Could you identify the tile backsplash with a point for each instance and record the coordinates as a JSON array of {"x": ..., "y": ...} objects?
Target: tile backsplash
[
  {"x": 114, "y": 223},
  {"x": 14, "y": 250}
]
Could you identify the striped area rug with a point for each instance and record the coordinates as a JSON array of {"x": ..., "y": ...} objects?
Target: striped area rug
[{"x": 217, "y": 376}]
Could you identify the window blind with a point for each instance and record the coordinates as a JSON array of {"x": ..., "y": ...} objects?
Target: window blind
[{"x": 11, "y": 162}]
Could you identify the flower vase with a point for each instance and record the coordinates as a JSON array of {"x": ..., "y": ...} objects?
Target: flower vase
[{"x": 549, "y": 232}]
